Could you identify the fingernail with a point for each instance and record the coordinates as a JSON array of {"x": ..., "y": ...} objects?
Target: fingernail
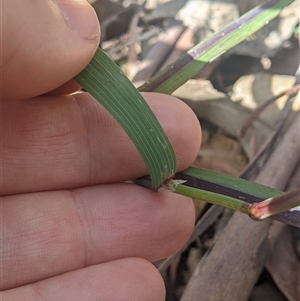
[{"x": 80, "y": 17}]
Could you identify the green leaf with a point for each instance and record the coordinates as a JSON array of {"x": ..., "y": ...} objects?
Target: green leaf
[
  {"x": 199, "y": 180},
  {"x": 234, "y": 193},
  {"x": 187, "y": 66},
  {"x": 228, "y": 185},
  {"x": 103, "y": 79}
]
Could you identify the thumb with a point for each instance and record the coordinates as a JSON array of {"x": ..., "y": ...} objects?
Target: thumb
[{"x": 47, "y": 42}]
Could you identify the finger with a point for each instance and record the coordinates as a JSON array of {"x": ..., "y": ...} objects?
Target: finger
[
  {"x": 66, "y": 142},
  {"x": 47, "y": 43},
  {"x": 131, "y": 279},
  {"x": 69, "y": 87},
  {"x": 50, "y": 233}
]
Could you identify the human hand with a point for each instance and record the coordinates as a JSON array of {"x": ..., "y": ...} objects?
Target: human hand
[{"x": 71, "y": 229}]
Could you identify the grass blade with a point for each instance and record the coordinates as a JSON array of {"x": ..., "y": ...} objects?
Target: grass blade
[
  {"x": 103, "y": 79},
  {"x": 234, "y": 193},
  {"x": 227, "y": 185},
  {"x": 237, "y": 188},
  {"x": 186, "y": 67}
]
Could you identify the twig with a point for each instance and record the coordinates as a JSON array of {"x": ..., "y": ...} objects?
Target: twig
[
  {"x": 157, "y": 53},
  {"x": 289, "y": 92},
  {"x": 132, "y": 55},
  {"x": 262, "y": 155}
]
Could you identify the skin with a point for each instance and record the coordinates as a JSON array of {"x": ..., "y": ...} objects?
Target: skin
[{"x": 71, "y": 229}]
